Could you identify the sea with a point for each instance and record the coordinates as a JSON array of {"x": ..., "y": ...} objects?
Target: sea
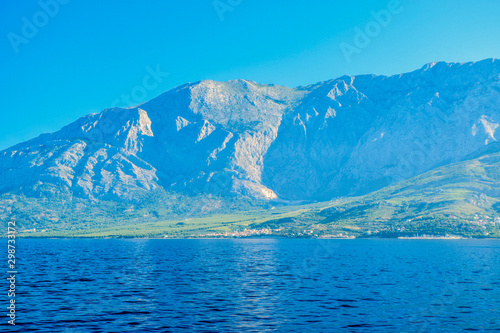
[{"x": 254, "y": 285}]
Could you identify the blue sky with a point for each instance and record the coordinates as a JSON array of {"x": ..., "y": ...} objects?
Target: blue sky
[{"x": 82, "y": 56}]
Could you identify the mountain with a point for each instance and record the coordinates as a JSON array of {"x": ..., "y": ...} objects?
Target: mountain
[{"x": 210, "y": 147}]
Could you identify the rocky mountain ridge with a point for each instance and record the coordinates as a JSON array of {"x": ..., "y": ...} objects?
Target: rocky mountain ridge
[{"x": 342, "y": 137}]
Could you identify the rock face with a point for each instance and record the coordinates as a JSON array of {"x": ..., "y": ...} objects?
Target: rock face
[
  {"x": 353, "y": 135},
  {"x": 347, "y": 136}
]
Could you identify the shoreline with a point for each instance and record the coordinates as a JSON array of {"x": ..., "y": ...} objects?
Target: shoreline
[{"x": 275, "y": 237}]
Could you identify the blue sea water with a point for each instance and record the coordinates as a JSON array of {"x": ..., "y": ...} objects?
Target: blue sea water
[{"x": 256, "y": 285}]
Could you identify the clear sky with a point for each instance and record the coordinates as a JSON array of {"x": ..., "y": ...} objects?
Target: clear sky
[{"x": 61, "y": 62}]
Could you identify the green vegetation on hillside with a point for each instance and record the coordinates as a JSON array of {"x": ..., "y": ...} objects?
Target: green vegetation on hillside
[{"x": 461, "y": 199}]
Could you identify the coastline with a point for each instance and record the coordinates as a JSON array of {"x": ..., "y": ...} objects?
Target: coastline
[{"x": 253, "y": 237}]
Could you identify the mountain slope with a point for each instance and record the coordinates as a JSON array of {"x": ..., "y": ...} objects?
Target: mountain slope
[
  {"x": 360, "y": 134},
  {"x": 459, "y": 199},
  {"x": 225, "y": 144}
]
